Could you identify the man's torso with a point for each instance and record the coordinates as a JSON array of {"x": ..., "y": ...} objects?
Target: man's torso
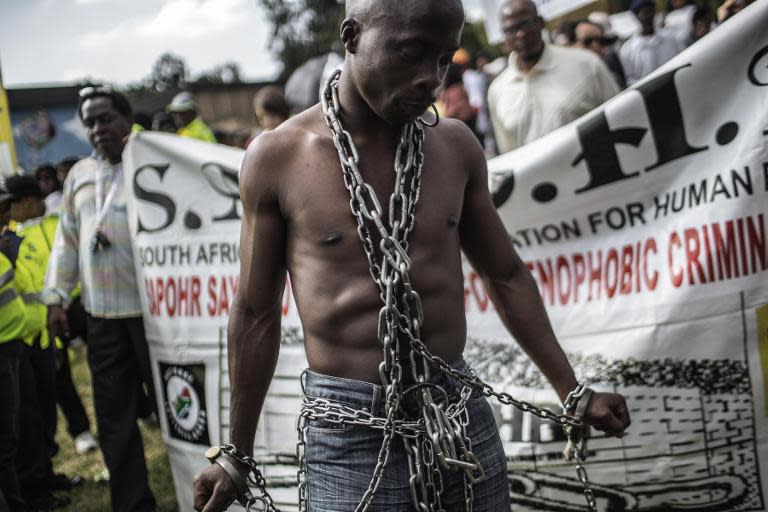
[
  {"x": 641, "y": 55},
  {"x": 108, "y": 277},
  {"x": 337, "y": 299}
]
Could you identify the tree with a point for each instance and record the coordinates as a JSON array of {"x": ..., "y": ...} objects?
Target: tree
[
  {"x": 302, "y": 29},
  {"x": 227, "y": 73},
  {"x": 475, "y": 40},
  {"x": 168, "y": 72}
]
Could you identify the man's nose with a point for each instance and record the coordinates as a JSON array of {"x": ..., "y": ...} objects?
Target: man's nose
[
  {"x": 429, "y": 78},
  {"x": 98, "y": 127}
]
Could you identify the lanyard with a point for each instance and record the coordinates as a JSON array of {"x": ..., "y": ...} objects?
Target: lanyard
[{"x": 101, "y": 208}]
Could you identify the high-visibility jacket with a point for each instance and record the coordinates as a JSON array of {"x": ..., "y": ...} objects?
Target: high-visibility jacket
[
  {"x": 34, "y": 251},
  {"x": 12, "y": 311},
  {"x": 197, "y": 129}
]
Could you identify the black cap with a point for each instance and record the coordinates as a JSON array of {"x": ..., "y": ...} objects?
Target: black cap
[
  {"x": 19, "y": 187},
  {"x": 636, "y": 5}
]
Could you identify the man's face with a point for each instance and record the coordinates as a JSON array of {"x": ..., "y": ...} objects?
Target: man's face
[
  {"x": 399, "y": 62},
  {"x": 182, "y": 119},
  {"x": 47, "y": 183},
  {"x": 645, "y": 15},
  {"x": 107, "y": 128},
  {"x": 589, "y": 37},
  {"x": 24, "y": 208},
  {"x": 522, "y": 29},
  {"x": 61, "y": 172}
]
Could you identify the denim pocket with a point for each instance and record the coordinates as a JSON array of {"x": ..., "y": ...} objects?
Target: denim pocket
[
  {"x": 329, "y": 427},
  {"x": 482, "y": 424}
]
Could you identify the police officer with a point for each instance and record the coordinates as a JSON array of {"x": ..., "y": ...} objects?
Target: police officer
[
  {"x": 184, "y": 112},
  {"x": 12, "y": 325},
  {"x": 37, "y": 364}
]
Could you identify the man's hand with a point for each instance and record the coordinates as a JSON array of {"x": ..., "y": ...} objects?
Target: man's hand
[
  {"x": 213, "y": 490},
  {"x": 58, "y": 325},
  {"x": 608, "y": 413}
]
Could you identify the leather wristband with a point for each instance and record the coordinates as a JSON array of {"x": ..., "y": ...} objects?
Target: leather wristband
[
  {"x": 577, "y": 401},
  {"x": 227, "y": 463},
  {"x": 583, "y": 403}
]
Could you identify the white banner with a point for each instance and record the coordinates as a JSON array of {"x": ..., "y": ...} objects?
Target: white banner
[{"x": 644, "y": 225}]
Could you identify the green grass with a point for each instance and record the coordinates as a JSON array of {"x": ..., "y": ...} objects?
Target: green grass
[{"x": 92, "y": 495}]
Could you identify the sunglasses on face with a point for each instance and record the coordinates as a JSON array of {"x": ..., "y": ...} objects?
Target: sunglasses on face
[
  {"x": 587, "y": 41},
  {"x": 512, "y": 30}
]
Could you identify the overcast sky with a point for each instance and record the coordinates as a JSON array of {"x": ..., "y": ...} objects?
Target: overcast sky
[{"x": 55, "y": 41}]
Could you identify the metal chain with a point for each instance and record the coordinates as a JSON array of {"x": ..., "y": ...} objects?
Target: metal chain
[
  {"x": 255, "y": 479},
  {"x": 437, "y": 439}
]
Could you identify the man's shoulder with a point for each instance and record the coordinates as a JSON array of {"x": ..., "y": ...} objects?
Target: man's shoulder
[
  {"x": 668, "y": 39},
  {"x": 50, "y": 222},
  {"x": 631, "y": 44},
  {"x": 83, "y": 166},
  {"x": 456, "y": 139},
  {"x": 502, "y": 81},
  {"x": 576, "y": 57},
  {"x": 83, "y": 172},
  {"x": 272, "y": 154}
]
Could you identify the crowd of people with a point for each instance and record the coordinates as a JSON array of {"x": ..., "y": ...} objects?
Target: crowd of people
[
  {"x": 546, "y": 80},
  {"x": 66, "y": 265}
]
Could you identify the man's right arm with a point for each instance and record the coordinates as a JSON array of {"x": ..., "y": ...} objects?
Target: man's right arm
[
  {"x": 254, "y": 321},
  {"x": 62, "y": 273}
]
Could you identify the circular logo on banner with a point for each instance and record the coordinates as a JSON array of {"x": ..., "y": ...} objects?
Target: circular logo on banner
[
  {"x": 185, "y": 404},
  {"x": 183, "y": 401}
]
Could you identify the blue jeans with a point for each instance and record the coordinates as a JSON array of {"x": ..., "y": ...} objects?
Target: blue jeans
[{"x": 340, "y": 458}]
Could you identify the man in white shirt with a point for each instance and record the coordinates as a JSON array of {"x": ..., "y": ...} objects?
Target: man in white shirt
[
  {"x": 93, "y": 247},
  {"x": 545, "y": 86},
  {"x": 645, "y": 52}
]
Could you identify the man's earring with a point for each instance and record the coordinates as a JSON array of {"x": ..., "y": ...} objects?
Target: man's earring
[{"x": 435, "y": 122}]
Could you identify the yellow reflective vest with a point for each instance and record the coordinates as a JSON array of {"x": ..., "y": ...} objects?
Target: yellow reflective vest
[
  {"x": 197, "y": 129},
  {"x": 12, "y": 311},
  {"x": 35, "y": 249}
]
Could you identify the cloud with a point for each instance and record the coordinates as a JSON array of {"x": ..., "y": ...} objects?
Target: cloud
[
  {"x": 73, "y": 74},
  {"x": 97, "y": 38},
  {"x": 177, "y": 19},
  {"x": 194, "y": 18}
]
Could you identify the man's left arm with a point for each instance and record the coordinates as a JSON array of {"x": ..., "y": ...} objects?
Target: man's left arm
[{"x": 514, "y": 293}]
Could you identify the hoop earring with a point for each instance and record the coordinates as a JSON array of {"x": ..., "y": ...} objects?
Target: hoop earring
[{"x": 437, "y": 118}]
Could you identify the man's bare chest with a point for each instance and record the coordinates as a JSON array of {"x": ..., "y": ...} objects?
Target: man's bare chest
[{"x": 316, "y": 200}]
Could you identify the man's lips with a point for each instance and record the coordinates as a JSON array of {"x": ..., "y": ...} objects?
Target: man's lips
[{"x": 417, "y": 106}]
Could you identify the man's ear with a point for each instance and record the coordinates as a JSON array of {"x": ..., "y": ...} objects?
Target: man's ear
[{"x": 350, "y": 32}]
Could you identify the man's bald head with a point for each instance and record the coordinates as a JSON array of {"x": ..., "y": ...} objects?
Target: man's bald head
[
  {"x": 511, "y": 7},
  {"x": 522, "y": 26},
  {"x": 405, "y": 10},
  {"x": 397, "y": 52}
]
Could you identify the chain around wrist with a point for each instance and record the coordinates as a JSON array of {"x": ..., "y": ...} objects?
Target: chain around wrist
[
  {"x": 226, "y": 456},
  {"x": 577, "y": 401}
]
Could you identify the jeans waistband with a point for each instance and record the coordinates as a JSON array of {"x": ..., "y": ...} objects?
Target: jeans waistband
[{"x": 360, "y": 393}]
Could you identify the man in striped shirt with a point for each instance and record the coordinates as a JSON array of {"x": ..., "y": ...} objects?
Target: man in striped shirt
[{"x": 93, "y": 247}]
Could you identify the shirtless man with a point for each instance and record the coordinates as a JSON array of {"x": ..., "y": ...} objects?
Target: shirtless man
[{"x": 297, "y": 219}]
